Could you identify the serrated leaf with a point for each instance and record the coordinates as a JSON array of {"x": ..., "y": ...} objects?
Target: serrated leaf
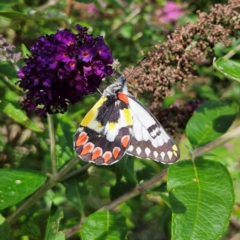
[
  {"x": 201, "y": 196},
  {"x": 5, "y": 229},
  {"x": 104, "y": 225},
  {"x": 211, "y": 120},
  {"x": 18, "y": 116},
  {"x": 18, "y": 184},
  {"x": 52, "y": 231},
  {"x": 229, "y": 68},
  {"x": 76, "y": 193}
]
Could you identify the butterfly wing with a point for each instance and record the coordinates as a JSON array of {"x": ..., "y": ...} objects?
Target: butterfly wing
[
  {"x": 150, "y": 140},
  {"x": 105, "y": 132}
]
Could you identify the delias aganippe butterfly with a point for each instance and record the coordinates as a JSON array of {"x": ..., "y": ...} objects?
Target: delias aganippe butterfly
[{"x": 117, "y": 124}]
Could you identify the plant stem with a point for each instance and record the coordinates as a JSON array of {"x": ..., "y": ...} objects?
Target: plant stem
[
  {"x": 79, "y": 170},
  {"x": 139, "y": 189},
  {"x": 42, "y": 190},
  {"x": 223, "y": 139},
  {"x": 52, "y": 145}
]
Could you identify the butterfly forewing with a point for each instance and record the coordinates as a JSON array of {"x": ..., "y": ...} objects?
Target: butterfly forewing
[
  {"x": 105, "y": 133},
  {"x": 150, "y": 140}
]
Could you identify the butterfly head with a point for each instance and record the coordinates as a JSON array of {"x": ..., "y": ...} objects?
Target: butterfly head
[{"x": 120, "y": 85}]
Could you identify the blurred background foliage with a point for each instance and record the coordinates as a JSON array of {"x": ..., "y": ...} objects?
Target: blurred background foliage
[{"x": 130, "y": 29}]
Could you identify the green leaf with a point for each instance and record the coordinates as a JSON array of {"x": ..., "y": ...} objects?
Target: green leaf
[
  {"x": 125, "y": 168},
  {"x": 201, "y": 196},
  {"x": 210, "y": 121},
  {"x": 18, "y": 184},
  {"x": 30, "y": 229},
  {"x": 104, "y": 225},
  {"x": 229, "y": 68},
  {"x": 76, "y": 193},
  {"x": 64, "y": 148},
  {"x": 25, "y": 51},
  {"x": 53, "y": 226},
  {"x": 18, "y": 116},
  {"x": 14, "y": 15},
  {"x": 5, "y": 229}
]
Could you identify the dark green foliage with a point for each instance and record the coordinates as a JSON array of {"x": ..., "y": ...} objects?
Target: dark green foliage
[{"x": 47, "y": 192}]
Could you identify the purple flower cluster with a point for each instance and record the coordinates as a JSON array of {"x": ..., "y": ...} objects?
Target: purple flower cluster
[{"x": 62, "y": 69}]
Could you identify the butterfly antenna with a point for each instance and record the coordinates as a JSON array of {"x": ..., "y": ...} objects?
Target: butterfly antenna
[{"x": 135, "y": 67}]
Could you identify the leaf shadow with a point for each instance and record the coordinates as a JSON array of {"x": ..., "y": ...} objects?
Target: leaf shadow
[{"x": 177, "y": 206}]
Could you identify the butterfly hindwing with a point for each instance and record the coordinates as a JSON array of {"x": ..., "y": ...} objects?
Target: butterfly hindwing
[
  {"x": 105, "y": 133},
  {"x": 150, "y": 140}
]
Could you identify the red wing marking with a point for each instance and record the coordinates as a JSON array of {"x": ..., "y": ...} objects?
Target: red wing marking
[
  {"x": 82, "y": 139},
  {"x": 125, "y": 141},
  {"x": 123, "y": 97},
  {"x": 107, "y": 156},
  {"x": 97, "y": 152},
  {"x": 116, "y": 152},
  {"x": 87, "y": 149}
]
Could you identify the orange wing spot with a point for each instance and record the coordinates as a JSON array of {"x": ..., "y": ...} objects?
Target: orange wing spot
[
  {"x": 107, "y": 156},
  {"x": 87, "y": 149},
  {"x": 97, "y": 152},
  {"x": 82, "y": 139},
  {"x": 116, "y": 152},
  {"x": 123, "y": 97},
  {"x": 125, "y": 141}
]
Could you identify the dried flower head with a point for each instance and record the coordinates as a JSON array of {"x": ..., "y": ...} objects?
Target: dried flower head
[
  {"x": 174, "y": 60},
  {"x": 62, "y": 69},
  {"x": 7, "y": 52},
  {"x": 175, "y": 118}
]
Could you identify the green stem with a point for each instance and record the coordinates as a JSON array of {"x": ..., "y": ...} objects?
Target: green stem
[
  {"x": 52, "y": 145},
  {"x": 42, "y": 190},
  {"x": 223, "y": 139},
  {"x": 139, "y": 189}
]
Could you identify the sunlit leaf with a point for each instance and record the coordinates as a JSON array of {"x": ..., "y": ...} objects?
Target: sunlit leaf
[
  {"x": 201, "y": 197},
  {"x": 52, "y": 231},
  {"x": 229, "y": 68},
  {"x": 18, "y": 116},
  {"x": 18, "y": 184}
]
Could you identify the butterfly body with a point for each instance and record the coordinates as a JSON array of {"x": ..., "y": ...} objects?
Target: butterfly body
[{"x": 118, "y": 124}]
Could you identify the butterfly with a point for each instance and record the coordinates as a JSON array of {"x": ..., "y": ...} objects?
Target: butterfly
[{"x": 118, "y": 124}]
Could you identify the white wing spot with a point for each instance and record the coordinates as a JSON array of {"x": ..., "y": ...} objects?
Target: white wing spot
[
  {"x": 138, "y": 150},
  {"x": 130, "y": 148},
  {"x": 155, "y": 153},
  {"x": 147, "y": 151},
  {"x": 162, "y": 155}
]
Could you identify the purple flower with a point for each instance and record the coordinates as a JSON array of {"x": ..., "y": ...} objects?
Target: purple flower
[
  {"x": 87, "y": 53},
  {"x": 62, "y": 69}
]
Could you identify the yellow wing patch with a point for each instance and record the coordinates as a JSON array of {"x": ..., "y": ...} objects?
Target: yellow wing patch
[
  {"x": 92, "y": 114},
  {"x": 127, "y": 115}
]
